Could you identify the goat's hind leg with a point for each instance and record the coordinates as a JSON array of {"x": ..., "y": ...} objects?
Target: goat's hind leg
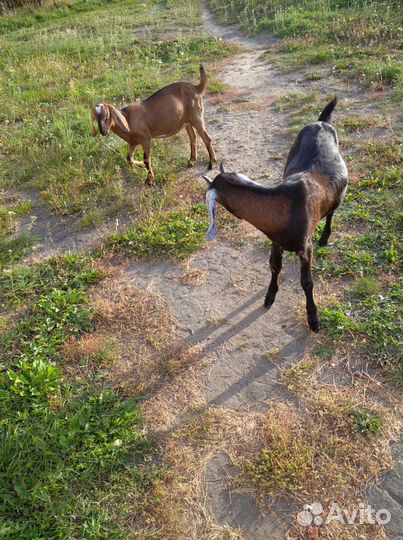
[
  {"x": 307, "y": 284},
  {"x": 326, "y": 231},
  {"x": 199, "y": 127},
  {"x": 193, "y": 148},
  {"x": 276, "y": 263}
]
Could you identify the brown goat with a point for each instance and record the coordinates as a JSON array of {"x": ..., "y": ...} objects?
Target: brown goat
[
  {"x": 314, "y": 184},
  {"x": 163, "y": 114}
]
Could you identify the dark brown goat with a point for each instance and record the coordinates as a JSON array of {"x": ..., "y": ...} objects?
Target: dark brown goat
[
  {"x": 165, "y": 113},
  {"x": 314, "y": 183}
]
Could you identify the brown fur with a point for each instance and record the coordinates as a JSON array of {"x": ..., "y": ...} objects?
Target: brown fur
[
  {"x": 165, "y": 113},
  {"x": 321, "y": 200},
  {"x": 270, "y": 213}
]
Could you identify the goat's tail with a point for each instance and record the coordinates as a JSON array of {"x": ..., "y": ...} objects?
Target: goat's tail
[
  {"x": 326, "y": 114},
  {"x": 201, "y": 87}
]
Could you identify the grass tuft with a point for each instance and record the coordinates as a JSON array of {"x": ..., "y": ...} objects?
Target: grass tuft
[
  {"x": 176, "y": 234},
  {"x": 359, "y": 40}
]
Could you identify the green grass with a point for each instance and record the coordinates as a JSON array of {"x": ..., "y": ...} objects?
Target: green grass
[
  {"x": 14, "y": 245},
  {"x": 367, "y": 422},
  {"x": 65, "y": 445},
  {"x": 177, "y": 234},
  {"x": 58, "y": 463},
  {"x": 16, "y": 248},
  {"x": 359, "y": 40},
  {"x": 21, "y": 284},
  {"x": 57, "y": 63},
  {"x": 376, "y": 318}
]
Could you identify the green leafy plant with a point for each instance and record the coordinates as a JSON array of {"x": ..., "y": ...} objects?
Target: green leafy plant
[
  {"x": 178, "y": 234},
  {"x": 367, "y": 422}
]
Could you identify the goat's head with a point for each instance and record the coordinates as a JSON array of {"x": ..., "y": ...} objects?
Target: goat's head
[
  {"x": 211, "y": 198},
  {"x": 106, "y": 117},
  {"x": 229, "y": 189}
]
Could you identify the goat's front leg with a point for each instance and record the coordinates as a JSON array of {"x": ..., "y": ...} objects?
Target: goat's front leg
[
  {"x": 147, "y": 161},
  {"x": 193, "y": 148},
  {"x": 326, "y": 231},
  {"x": 305, "y": 257},
  {"x": 276, "y": 263},
  {"x": 130, "y": 160}
]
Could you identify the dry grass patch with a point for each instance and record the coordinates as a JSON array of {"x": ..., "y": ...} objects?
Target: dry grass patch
[
  {"x": 141, "y": 326},
  {"x": 192, "y": 275},
  {"x": 326, "y": 450},
  {"x": 191, "y": 435},
  {"x": 241, "y": 105},
  {"x": 88, "y": 354},
  {"x": 223, "y": 98},
  {"x": 136, "y": 338}
]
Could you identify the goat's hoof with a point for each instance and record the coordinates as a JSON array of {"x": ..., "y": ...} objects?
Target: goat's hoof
[
  {"x": 150, "y": 180},
  {"x": 268, "y": 302},
  {"x": 191, "y": 163},
  {"x": 210, "y": 166},
  {"x": 314, "y": 325},
  {"x": 322, "y": 242}
]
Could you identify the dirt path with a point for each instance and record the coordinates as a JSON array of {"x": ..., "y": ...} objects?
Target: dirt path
[{"x": 225, "y": 313}]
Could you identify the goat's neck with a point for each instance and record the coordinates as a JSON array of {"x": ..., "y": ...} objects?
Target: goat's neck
[
  {"x": 122, "y": 134},
  {"x": 268, "y": 211}
]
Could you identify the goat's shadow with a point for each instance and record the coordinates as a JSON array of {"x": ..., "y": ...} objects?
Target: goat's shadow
[{"x": 263, "y": 366}]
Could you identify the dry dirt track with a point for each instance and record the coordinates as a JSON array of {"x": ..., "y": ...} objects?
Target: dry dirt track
[{"x": 225, "y": 313}]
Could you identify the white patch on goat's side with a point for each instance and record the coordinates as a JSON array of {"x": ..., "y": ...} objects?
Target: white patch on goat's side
[
  {"x": 245, "y": 180},
  {"x": 211, "y": 197},
  {"x": 98, "y": 108}
]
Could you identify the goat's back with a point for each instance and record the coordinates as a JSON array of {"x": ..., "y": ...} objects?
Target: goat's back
[
  {"x": 182, "y": 91},
  {"x": 316, "y": 150},
  {"x": 166, "y": 112}
]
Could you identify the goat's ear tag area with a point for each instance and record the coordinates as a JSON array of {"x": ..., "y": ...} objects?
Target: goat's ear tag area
[{"x": 207, "y": 179}]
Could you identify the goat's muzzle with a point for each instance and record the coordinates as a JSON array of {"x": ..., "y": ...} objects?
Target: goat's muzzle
[
  {"x": 101, "y": 117},
  {"x": 104, "y": 124}
]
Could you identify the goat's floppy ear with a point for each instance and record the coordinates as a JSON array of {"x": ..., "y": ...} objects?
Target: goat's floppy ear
[
  {"x": 119, "y": 119},
  {"x": 207, "y": 179},
  {"x": 222, "y": 171},
  {"x": 94, "y": 118},
  {"x": 211, "y": 197}
]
